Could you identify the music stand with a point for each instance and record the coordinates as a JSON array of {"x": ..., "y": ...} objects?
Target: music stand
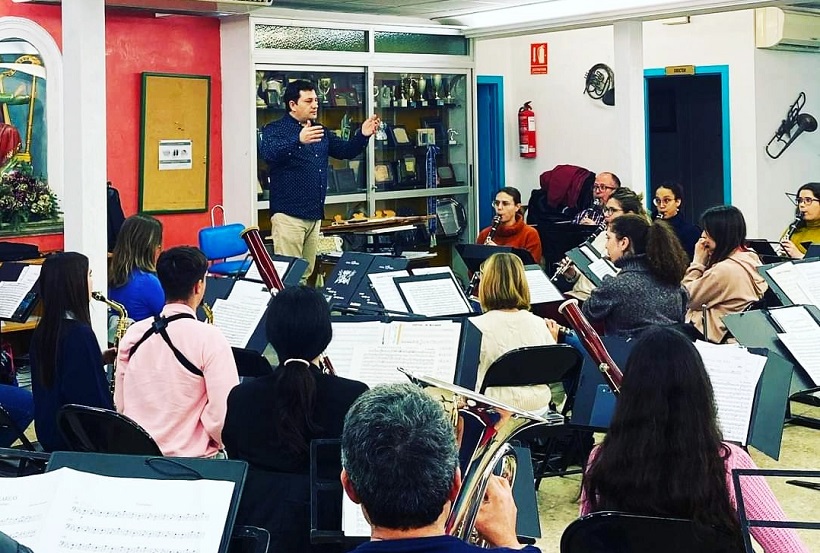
[
  {"x": 813, "y": 251},
  {"x": 475, "y": 254},
  {"x": 764, "y": 249},
  {"x": 11, "y": 272}
]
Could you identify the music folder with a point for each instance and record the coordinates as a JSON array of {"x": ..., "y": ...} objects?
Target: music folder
[
  {"x": 19, "y": 291},
  {"x": 346, "y": 276},
  {"x": 364, "y": 295},
  {"x": 587, "y": 260},
  {"x": 794, "y": 282},
  {"x": 161, "y": 468}
]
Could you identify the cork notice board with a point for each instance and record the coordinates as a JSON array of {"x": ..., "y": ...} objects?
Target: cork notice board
[{"x": 175, "y": 132}]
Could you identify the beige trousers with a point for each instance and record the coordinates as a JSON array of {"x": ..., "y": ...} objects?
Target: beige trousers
[{"x": 296, "y": 238}]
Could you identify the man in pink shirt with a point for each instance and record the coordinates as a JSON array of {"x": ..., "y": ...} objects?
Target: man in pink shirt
[{"x": 174, "y": 372}]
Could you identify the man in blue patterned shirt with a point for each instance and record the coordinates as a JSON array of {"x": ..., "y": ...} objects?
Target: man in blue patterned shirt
[
  {"x": 605, "y": 185},
  {"x": 296, "y": 149}
]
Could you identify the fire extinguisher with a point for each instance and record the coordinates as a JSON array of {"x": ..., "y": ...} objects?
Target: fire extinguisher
[{"x": 526, "y": 131}]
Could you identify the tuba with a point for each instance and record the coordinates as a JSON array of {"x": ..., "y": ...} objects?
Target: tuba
[
  {"x": 122, "y": 325},
  {"x": 483, "y": 427}
]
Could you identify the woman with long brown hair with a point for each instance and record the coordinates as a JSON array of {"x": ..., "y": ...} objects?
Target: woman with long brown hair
[{"x": 132, "y": 276}]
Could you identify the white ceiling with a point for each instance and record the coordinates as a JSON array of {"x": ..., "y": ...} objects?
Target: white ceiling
[{"x": 428, "y": 9}]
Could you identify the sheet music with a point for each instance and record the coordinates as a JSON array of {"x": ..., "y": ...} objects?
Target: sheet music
[
  {"x": 248, "y": 292},
  {"x": 786, "y": 279},
  {"x": 734, "y": 373},
  {"x": 803, "y": 345},
  {"x": 13, "y": 293},
  {"x": 431, "y": 271},
  {"x": 353, "y": 522},
  {"x": 808, "y": 278},
  {"x": 253, "y": 271},
  {"x": 24, "y": 503},
  {"x": 388, "y": 292},
  {"x": 602, "y": 268},
  {"x": 587, "y": 251},
  {"x": 599, "y": 243},
  {"x": 793, "y": 319},
  {"x": 347, "y": 336},
  {"x": 89, "y": 512},
  {"x": 238, "y": 320},
  {"x": 541, "y": 289},
  {"x": 435, "y": 297}
]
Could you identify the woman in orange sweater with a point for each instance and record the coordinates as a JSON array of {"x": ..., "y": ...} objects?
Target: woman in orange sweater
[{"x": 512, "y": 230}]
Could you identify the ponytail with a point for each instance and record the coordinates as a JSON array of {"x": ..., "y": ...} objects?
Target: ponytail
[
  {"x": 295, "y": 399},
  {"x": 666, "y": 257}
]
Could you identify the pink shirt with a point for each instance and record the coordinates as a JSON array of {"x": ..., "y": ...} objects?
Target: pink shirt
[
  {"x": 760, "y": 503},
  {"x": 182, "y": 411}
]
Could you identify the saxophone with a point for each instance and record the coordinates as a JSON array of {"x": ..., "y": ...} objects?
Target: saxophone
[
  {"x": 209, "y": 312},
  {"x": 122, "y": 325}
]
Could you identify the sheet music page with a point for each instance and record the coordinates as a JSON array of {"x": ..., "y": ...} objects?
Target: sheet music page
[
  {"x": 433, "y": 345},
  {"x": 24, "y": 504},
  {"x": 541, "y": 289},
  {"x": 793, "y": 319},
  {"x": 432, "y": 270},
  {"x": 237, "y": 320},
  {"x": 808, "y": 278},
  {"x": 248, "y": 292},
  {"x": 591, "y": 255},
  {"x": 786, "y": 279},
  {"x": 599, "y": 243},
  {"x": 353, "y": 522},
  {"x": 434, "y": 298},
  {"x": 388, "y": 292},
  {"x": 12, "y": 293},
  {"x": 734, "y": 373},
  {"x": 347, "y": 338},
  {"x": 602, "y": 268},
  {"x": 253, "y": 271},
  {"x": 803, "y": 345}
]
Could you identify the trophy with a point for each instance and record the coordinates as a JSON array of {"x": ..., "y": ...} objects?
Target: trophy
[
  {"x": 422, "y": 90},
  {"x": 381, "y": 132},
  {"x": 452, "y": 90},
  {"x": 385, "y": 96},
  {"x": 325, "y": 84},
  {"x": 437, "y": 100},
  {"x": 402, "y": 91},
  {"x": 273, "y": 93},
  {"x": 451, "y": 137},
  {"x": 261, "y": 87}
]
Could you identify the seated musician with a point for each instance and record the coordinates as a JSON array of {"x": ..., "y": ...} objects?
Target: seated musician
[
  {"x": 606, "y": 184},
  {"x": 622, "y": 201},
  {"x": 808, "y": 229},
  {"x": 174, "y": 372},
  {"x": 664, "y": 454},
  {"x": 66, "y": 361},
  {"x": 512, "y": 230},
  {"x": 400, "y": 462},
  {"x": 723, "y": 275},
  {"x": 647, "y": 289},
  {"x": 272, "y": 419},
  {"x": 507, "y": 324}
]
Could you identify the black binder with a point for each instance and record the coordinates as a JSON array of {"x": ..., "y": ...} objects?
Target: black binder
[
  {"x": 10, "y": 272},
  {"x": 161, "y": 468},
  {"x": 346, "y": 276},
  {"x": 364, "y": 294}
]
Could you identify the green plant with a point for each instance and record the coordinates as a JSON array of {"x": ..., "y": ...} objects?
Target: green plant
[{"x": 25, "y": 198}]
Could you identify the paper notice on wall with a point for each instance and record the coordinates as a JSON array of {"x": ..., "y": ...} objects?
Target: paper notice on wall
[{"x": 175, "y": 155}]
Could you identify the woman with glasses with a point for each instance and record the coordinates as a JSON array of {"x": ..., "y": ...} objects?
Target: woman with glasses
[
  {"x": 647, "y": 289},
  {"x": 808, "y": 230},
  {"x": 668, "y": 199},
  {"x": 622, "y": 201},
  {"x": 664, "y": 454},
  {"x": 723, "y": 275},
  {"x": 512, "y": 230}
]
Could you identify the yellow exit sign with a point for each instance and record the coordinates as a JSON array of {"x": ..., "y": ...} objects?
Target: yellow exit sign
[{"x": 680, "y": 70}]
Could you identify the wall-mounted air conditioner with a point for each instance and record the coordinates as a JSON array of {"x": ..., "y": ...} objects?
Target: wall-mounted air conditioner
[{"x": 787, "y": 30}]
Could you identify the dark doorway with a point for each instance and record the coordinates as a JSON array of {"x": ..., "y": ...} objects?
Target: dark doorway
[
  {"x": 687, "y": 137},
  {"x": 490, "y": 121}
]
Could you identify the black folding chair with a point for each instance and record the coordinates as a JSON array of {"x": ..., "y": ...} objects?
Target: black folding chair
[
  {"x": 16, "y": 461},
  {"x": 96, "y": 430}
]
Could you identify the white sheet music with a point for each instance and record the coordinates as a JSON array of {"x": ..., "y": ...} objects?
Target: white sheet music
[
  {"x": 253, "y": 271},
  {"x": 803, "y": 345},
  {"x": 432, "y": 270},
  {"x": 734, "y": 373},
  {"x": 435, "y": 297},
  {"x": 88, "y": 512},
  {"x": 599, "y": 243},
  {"x": 808, "y": 278},
  {"x": 237, "y": 320},
  {"x": 347, "y": 337},
  {"x": 541, "y": 289},
  {"x": 793, "y": 319},
  {"x": 602, "y": 268},
  {"x": 589, "y": 253},
  {"x": 387, "y": 290},
  {"x": 13, "y": 293},
  {"x": 353, "y": 522},
  {"x": 786, "y": 279}
]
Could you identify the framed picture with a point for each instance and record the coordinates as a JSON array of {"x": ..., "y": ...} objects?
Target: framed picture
[
  {"x": 446, "y": 175},
  {"x": 436, "y": 124},
  {"x": 345, "y": 97},
  {"x": 346, "y": 181},
  {"x": 407, "y": 169},
  {"x": 400, "y": 137},
  {"x": 425, "y": 137},
  {"x": 383, "y": 173}
]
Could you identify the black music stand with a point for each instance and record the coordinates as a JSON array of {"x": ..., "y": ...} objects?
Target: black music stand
[
  {"x": 765, "y": 250},
  {"x": 160, "y": 468},
  {"x": 746, "y": 523},
  {"x": 475, "y": 254},
  {"x": 813, "y": 252},
  {"x": 10, "y": 272}
]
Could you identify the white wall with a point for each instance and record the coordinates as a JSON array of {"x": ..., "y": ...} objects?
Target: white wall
[
  {"x": 574, "y": 129},
  {"x": 779, "y": 78}
]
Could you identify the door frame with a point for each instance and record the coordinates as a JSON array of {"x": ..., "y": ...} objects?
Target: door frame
[
  {"x": 723, "y": 72},
  {"x": 485, "y": 197}
]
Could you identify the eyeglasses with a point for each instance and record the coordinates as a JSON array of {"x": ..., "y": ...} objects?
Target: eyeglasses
[
  {"x": 505, "y": 203},
  {"x": 797, "y": 200},
  {"x": 807, "y": 201},
  {"x": 663, "y": 201},
  {"x": 611, "y": 210},
  {"x": 603, "y": 187}
]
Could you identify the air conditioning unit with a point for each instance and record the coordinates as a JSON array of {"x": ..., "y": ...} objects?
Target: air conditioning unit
[{"x": 786, "y": 30}]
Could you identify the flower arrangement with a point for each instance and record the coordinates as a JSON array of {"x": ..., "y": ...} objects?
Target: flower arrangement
[{"x": 24, "y": 198}]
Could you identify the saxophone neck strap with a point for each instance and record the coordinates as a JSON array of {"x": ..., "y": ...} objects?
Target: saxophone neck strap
[{"x": 159, "y": 326}]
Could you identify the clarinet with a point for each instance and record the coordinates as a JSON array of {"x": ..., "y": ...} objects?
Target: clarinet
[
  {"x": 472, "y": 288},
  {"x": 790, "y": 231},
  {"x": 270, "y": 276},
  {"x": 565, "y": 264}
]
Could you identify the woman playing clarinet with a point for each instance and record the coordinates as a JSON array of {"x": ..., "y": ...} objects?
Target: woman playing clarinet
[{"x": 512, "y": 230}]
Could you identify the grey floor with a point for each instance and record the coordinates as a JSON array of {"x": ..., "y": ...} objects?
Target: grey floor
[{"x": 557, "y": 504}]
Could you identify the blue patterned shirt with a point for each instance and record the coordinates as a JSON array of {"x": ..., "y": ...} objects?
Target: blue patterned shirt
[{"x": 298, "y": 172}]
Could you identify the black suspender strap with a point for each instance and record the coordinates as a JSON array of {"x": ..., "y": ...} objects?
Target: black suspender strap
[{"x": 159, "y": 327}]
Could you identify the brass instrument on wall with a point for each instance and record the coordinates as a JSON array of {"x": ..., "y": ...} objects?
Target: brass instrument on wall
[{"x": 122, "y": 325}]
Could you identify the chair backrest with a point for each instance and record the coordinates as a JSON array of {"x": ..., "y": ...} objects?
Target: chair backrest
[
  {"x": 534, "y": 365},
  {"x": 96, "y": 430},
  {"x": 6, "y": 422},
  {"x": 607, "y": 531},
  {"x": 222, "y": 241},
  {"x": 249, "y": 539}
]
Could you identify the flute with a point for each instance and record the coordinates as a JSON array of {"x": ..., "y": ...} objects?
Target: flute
[{"x": 270, "y": 276}]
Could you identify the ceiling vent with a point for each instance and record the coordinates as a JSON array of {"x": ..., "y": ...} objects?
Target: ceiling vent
[{"x": 784, "y": 30}]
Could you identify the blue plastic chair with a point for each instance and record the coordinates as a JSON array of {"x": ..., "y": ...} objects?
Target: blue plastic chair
[{"x": 222, "y": 242}]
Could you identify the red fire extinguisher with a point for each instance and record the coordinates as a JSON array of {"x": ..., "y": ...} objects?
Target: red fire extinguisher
[{"x": 526, "y": 131}]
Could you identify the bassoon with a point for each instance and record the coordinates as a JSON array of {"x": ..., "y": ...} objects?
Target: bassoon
[
  {"x": 270, "y": 276},
  {"x": 592, "y": 343}
]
